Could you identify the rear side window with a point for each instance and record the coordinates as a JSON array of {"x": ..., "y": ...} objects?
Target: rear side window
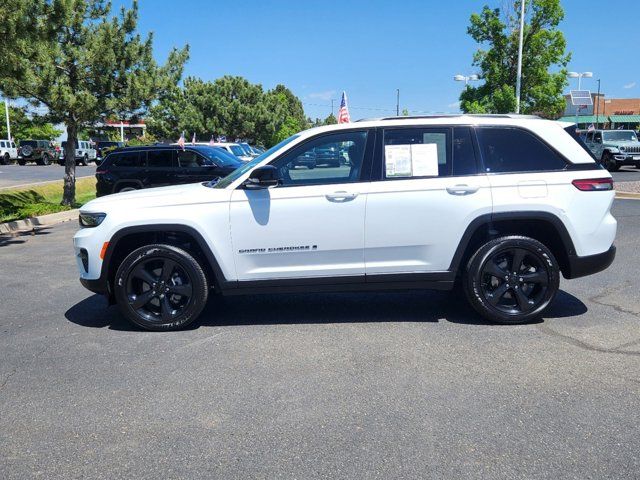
[
  {"x": 464, "y": 155},
  {"x": 573, "y": 131},
  {"x": 508, "y": 150},
  {"x": 127, "y": 159},
  {"x": 160, "y": 158}
]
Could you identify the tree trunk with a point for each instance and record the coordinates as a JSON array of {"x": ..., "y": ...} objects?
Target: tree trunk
[{"x": 69, "y": 193}]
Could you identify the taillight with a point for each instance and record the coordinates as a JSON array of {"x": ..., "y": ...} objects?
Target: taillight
[{"x": 593, "y": 184}]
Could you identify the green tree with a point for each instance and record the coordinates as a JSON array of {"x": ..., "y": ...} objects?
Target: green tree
[
  {"x": 544, "y": 60},
  {"x": 229, "y": 106},
  {"x": 405, "y": 112},
  {"x": 25, "y": 127},
  {"x": 331, "y": 120},
  {"x": 82, "y": 63}
]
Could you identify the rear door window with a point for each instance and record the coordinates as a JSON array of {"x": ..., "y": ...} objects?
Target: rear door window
[
  {"x": 189, "y": 159},
  {"x": 417, "y": 152},
  {"x": 160, "y": 158},
  {"x": 509, "y": 150}
]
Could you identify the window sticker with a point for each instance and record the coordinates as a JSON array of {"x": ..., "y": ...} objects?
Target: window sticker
[
  {"x": 424, "y": 159},
  {"x": 414, "y": 160},
  {"x": 398, "y": 160}
]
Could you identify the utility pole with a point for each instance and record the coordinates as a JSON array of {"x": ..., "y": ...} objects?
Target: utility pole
[
  {"x": 6, "y": 111},
  {"x": 598, "y": 107},
  {"x": 519, "y": 75},
  {"x": 397, "y": 102}
]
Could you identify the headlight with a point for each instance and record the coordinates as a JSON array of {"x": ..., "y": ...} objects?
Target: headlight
[
  {"x": 91, "y": 219},
  {"x": 622, "y": 149}
]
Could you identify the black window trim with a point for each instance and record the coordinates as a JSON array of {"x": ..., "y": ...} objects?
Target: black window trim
[{"x": 365, "y": 170}]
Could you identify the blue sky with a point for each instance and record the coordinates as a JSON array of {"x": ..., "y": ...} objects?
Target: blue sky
[{"x": 371, "y": 47}]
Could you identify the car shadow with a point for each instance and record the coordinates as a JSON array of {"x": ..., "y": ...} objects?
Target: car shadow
[
  {"x": 17, "y": 238},
  {"x": 321, "y": 308}
]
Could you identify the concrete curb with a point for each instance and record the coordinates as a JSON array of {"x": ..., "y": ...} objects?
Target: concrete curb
[
  {"x": 44, "y": 220},
  {"x": 628, "y": 195}
]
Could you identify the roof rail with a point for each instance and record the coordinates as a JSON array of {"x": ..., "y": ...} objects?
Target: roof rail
[{"x": 453, "y": 115}]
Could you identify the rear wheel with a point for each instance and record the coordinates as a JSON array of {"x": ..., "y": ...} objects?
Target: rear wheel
[
  {"x": 5, "y": 159},
  {"x": 511, "y": 279},
  {"x": 161, "y": 287},
  {"x": 22, "y": 162},
  {"x": 609, "y": 162},
  {"x": 45, "y": 160},
  {"x": 127, "y": 188},
  {"x": 84, "y": 161}
]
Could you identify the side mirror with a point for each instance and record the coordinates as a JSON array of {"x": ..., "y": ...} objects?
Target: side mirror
[{"x": 266, "y": 176}]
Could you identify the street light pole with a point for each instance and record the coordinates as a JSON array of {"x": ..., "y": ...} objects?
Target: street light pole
[
  {"x": 598, "y": 107},
  {"x": 397, "y": 102},
  {"x": 6, "y": 111},
  {"x": 519, "y": 74}
]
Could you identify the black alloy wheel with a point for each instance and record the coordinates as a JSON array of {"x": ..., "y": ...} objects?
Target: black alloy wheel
[
  {"x": 161, "y": 287},
  {"x": 512, "y": 279}
]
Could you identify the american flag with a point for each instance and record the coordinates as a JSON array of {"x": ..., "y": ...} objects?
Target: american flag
[
  {"x": 181, "y": 140},
  {"x": 343, "y": 113},
  {"x": 212, "y": 142}
]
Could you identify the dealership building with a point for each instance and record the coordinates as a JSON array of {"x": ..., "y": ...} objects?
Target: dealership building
[{"x": 609, "y": 113}]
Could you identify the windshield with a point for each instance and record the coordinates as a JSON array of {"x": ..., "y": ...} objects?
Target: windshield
[
  {"x": 233, "y": 176},
  {"x": 620, "y": 136},
  {"x": 220, "y": 156},
  {"x": 32, "y": 143},
  {"x": 246, "y": 148},
  {"x": 237, "y": 150}
]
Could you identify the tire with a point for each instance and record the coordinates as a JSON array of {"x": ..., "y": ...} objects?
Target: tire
[
  {"x": 127, "y": 188},
  {"x": 609, "y": 162},
  {"x": 84, "y": 161},
  {"x": 147, "y": 283},
  {"x": 22, "y": 163},
  {"x": 501, "y": 294},
  {"x": 6, "y": 160},
  {"x": 45, "y": 160}
]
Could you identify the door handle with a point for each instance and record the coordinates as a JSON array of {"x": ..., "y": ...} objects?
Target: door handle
[
  {"x": 340, "y": 196},
  {"x": 462, "y": 189}
]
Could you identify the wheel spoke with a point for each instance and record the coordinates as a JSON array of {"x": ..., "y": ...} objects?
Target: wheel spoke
[
  {"x": 518, "y": 258},
  {"x": 183, "y": 290},
  {"x": 495, "y": 296},
  {"x": 522, "y": 299},
  {"x": 141, "y": 273},
  {"x": 141, "y": 300},
  {"x": 492, "y": 268},
  {"x": 166, "y": 310},
  {"x": 535, "y": 277},
  {"x": 167, "y": 269}
]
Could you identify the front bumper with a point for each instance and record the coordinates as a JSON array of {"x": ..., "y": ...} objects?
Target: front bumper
[
  {"x": 627, "y": 158},
  {"x": 99, "y": 286},
  {"x": 588, "y": 265}
]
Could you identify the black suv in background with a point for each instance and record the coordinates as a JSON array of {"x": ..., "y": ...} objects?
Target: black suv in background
[
  {"x": 42, "y": 152},
  {"x": 133, "y": 168}
]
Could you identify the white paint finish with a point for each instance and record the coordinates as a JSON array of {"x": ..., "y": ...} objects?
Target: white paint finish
[
  {"x": 329, "y": 217},
  {"x": 415, "y": 225},
  {"x": 532, "y": 189}
]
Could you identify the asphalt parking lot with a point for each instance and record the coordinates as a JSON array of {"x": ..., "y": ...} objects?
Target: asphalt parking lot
[
  {"x": 16, "y": 175},
  {"x": 367, "y": 385}
]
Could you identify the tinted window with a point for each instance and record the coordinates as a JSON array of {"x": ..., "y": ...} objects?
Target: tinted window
[
  {"x": 335, "y": 158},
  {"x": 127, "y": 159},
  {"x": 2, "y": 144},
  {"x": 573, "y": 131},
  {"x": 417, "y": 152},
  {"x": 31, "y": 143},
  {"x": 160, "y": 158},
  {"x": 464, "y": 156},
  {"x": 220, "y": 156},
  {"x": 189, "y": 159},
  {"x": 515, "y": 150}
]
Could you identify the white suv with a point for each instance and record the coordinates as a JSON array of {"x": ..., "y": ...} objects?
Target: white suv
[
  {"x": 8, "y": 152},
  {"x": 498, "y": 205},
  {"x": 85, "y": 153}
]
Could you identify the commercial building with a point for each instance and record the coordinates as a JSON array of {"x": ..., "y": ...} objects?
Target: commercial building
[{"x": 611, "y": 113}]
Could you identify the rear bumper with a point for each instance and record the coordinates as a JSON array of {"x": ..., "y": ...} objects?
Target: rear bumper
[{"x": 588, "y": 265}]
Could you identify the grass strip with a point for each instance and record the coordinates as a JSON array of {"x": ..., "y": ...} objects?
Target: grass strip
[{"x": 21, "y": 203}]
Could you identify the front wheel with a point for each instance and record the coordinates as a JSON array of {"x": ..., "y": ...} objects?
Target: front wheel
[
  {"x": 84, "y": 161},
  {"x": 161, "y": 287},
  {"x": 609, "y": 162},
  {"x": 46, "y": 160},
  {"x": 5, "y": 160},
  {"x": 511, "y": 279}
]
